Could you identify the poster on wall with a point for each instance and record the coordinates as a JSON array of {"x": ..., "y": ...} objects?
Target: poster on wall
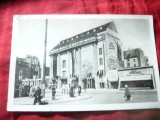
[{"x": 83, "y": 63}]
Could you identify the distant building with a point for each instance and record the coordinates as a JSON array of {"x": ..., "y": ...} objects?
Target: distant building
[
  {"x": 26, "y": 73},
  {"x": 135, "y": 58},
  {"x": 22, "y": 69},
  {"x": 146, "y": 61}
]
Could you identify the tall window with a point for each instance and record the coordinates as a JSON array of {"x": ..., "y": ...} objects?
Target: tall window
[
  {"x": 100, "y": 51},
  {"x": 100, "y": 61},
  {"x": 134, "y": 65},
  {"x": 64, "y": 73},
  {"x": 134, "y": 60},
  {"x": 20, "y": 74},
  {"x": 128, "y": 64},
  {"x": 64, "y": 63}
]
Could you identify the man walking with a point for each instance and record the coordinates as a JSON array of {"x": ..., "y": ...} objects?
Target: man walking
[
  {"x": 37, "y": 96},
  {"x": 53, "y": 92},
  {"x": 127, "y": 94}
]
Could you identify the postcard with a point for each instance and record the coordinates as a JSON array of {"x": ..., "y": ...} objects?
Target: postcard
[{"x": 83, "y": 63}]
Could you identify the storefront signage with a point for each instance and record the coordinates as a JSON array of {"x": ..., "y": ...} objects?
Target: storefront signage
[
  {"x": 135, "y": 78},
  {"x": 135, "y": 72}
]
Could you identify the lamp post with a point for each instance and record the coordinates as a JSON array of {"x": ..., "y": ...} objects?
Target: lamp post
[{"x": 44, "y": 60}]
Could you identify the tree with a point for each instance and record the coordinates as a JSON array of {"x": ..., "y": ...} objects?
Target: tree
[
  {"x": 87, "y": 69},
  {"x": 34, "y": 65}
]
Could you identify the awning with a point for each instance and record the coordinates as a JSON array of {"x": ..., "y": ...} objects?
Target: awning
[{"x": 135, "y": 78}]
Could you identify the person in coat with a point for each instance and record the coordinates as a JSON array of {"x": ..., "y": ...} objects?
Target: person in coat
[
  {"x": 37, "y": 96},
  {"x": 71, "y": 91},
  {"x": 79, "y": 90},
  {"x": 127, "y": 94},
  {"x": 53, "y": 92}
]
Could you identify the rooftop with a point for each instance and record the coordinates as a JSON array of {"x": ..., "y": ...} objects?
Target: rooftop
[
  {"x": 132, "y": 53},
  {"x": 85, "y": 35}
]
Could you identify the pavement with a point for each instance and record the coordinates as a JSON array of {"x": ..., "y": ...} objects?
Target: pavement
[
  {"x": 93, "y": 96},
  {"x": 59, "y": 98}
]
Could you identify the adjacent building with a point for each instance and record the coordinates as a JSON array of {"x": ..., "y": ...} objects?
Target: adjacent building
[
  {"x": 135, "y": 58},
  {"x": 27, "y": 73}
]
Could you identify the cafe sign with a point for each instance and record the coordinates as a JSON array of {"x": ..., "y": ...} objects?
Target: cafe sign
[{"x": 135, "y": 72}]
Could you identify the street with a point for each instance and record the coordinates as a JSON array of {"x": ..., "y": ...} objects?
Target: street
[{"x": 93, "y": 97}]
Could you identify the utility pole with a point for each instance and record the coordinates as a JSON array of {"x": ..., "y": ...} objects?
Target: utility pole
[{"x": 44, "y": 60}]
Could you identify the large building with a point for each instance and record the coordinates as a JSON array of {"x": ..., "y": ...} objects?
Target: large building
[{"x": 88, "y": 57}]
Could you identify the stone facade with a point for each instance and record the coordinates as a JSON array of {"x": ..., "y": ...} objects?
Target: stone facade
[{"x": 86, "y": 58}]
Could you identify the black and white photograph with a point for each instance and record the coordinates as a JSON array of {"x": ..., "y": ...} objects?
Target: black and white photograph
[{"x": 83, "y": 63}]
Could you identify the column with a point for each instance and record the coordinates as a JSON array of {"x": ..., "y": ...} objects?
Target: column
[
  {"x": 51, "y": 68},
  {"x": 106, "y": 56},
  {"x": 68, "y": 67},
  {"x": 79, "y": 67},
  {"x": 59, "y": 65},
  {"x": 59, "y": 70},
  {"x": 73, "y": 61},
  {"x": 95, "y": 65}
]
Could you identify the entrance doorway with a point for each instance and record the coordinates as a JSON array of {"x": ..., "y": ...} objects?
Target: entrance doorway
[
  {"x": 102, "y": 85},
  {"x": 114, "y": 85},
  {"x": 90, "y": 83}
]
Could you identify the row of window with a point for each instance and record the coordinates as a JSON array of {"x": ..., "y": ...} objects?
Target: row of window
[
  {"x": 64, "y": 65},
  {"x": 134, "y": 60},
  {"x": 128, "y": 65},
  {"x": 100, "y": 59}
]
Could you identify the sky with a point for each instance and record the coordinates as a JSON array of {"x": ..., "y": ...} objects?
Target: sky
[{"x": 133, "y": 33}]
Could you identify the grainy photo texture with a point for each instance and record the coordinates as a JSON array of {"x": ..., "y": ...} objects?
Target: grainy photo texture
[{"x": 83, "y": 63}]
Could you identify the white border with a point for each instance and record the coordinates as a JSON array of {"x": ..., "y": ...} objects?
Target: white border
[{"x": 93, "y": 107}]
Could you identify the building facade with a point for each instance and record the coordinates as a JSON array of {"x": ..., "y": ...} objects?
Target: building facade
[
  {"x": 87, "y": 58},
  {"x": 27, "y": 73},
  {"x": 95, "y": 59},
  {"x": 138, "y": 77},
  {"x": 135, "y": 58}
]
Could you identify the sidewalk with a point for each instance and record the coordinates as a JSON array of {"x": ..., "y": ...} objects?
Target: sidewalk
[
  {"x": 91, "y": 95},
  {"x": 59, "y": 98}
]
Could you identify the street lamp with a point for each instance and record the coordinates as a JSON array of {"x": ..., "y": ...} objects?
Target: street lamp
[{"x": 44, "y": 60}]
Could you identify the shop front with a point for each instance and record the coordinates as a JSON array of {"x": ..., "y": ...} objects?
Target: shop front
[{"x": 137, "y": 78}]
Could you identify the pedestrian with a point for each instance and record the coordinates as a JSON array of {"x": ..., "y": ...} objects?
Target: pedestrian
[
  {"x": 71, "y": 91},
  {"x": 32, "y": 91},
  {"x": 53, "y": 92},
  {"x": 79, "y": 90},
  {"x": 37, "y": 96},
  {"x": 21, "y": 89},
  {"x": 63, "y": 88},
  {"x": 127, "y": 94}
]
